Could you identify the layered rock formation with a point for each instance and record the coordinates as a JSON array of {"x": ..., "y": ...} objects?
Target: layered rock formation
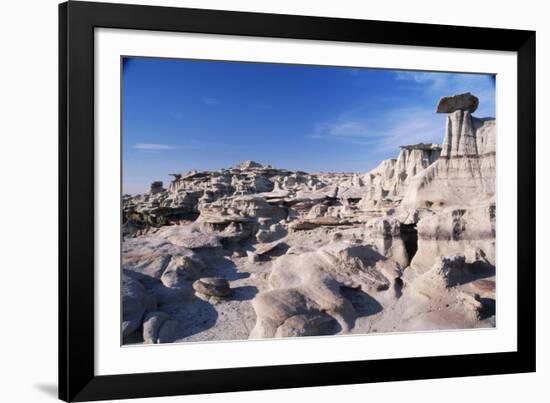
[
  {"x": 466, "y": 166},
  {"x": 254, "y": 251}
]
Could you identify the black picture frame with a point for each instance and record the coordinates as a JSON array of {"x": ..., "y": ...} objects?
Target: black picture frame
[{"x": 77, "y": 21}]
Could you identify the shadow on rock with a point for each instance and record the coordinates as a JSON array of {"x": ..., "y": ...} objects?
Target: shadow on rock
[
  {"x": 280, "y": 250},
  {"x": 222, "y": 267},
  {"x": 244, "y": 293},
  {"x": 363, "y": 303},
  {"x": 474, "y": 271},
  {"x": 194, "y": 316},
  {"x": 488, "y": 308}
]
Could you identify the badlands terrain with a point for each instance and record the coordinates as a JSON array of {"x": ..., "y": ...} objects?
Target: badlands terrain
[{"x": 255, "y": 251}]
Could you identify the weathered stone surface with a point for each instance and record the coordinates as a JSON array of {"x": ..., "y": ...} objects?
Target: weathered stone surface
[
  {"x": 274, "y": 232},
  {"x": 151, "y": 326},
  {"x": 182, "y": 271},
  {"x": 136, "y": 301},
  {"x": 469, "y": 231},
  {"x": 385, "y": 234},
  {"x": 308, "y": 284},
  {"x": 387, "y": 184},
  {"x": 307, "y": 325},
  {"x": 440, "y": 298},
  {"x": 446, "y": 272},
  {"x": 463, "y": 102},
  {"x": 484, "y": 287},
  {"x": 158, "y": 327},
  {"x": 191, "y": 237},
  {"x": 472, "y": 304},
  {"x": 212, "y": 286},
  {"x": 466, "y": 172},
  {"x": 167, "y": 271},
  {"x": 409, "y": 245},
  {"x": 262, "y": 249}
]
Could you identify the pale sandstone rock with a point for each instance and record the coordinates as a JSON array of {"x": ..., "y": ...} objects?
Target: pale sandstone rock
[
  {"x": 469, "y": 231},
  {"x": 446, "y": 272},
  {"x": 486, "y": 288},
  {"x": 190, "y": 237},
  {"x": 438, "y": 299},
  {"x": 182, "y": 271},
  {"x": 465, "y": 172},
  {"x": 251, "y": 256},
  {"x": 169, "y": 282},
  {"x": 310, "y": 283},
  {"x": 385, "y": 234},
  {"x": 264, "y": 236},
  {"x": 386, "y": 184},
  {"x": 265, "y": 248},
  {"x": 472, "y": 304},
  {"x": 317, "y": 324}
]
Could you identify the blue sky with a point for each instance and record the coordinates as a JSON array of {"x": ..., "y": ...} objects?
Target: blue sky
[{"x": 179, "y": 115}]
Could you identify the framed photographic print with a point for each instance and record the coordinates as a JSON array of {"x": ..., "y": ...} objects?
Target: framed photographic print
[{"x": 259, "y": 201}]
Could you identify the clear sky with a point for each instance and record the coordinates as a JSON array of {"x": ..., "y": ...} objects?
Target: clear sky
[{"x": 179, "y": 115}]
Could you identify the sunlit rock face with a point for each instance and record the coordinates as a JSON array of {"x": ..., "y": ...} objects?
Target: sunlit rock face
[
  {"x": 255, "y": 251},
  {"x": 387, "y": 183},
  {"x": 465, "y": 172}
]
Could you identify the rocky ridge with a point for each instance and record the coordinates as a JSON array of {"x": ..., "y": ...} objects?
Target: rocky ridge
[{"x": 254, "y": 251}]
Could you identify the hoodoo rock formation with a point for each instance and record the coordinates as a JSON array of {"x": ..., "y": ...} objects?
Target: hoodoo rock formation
[{"x": 254, "y": 251}]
